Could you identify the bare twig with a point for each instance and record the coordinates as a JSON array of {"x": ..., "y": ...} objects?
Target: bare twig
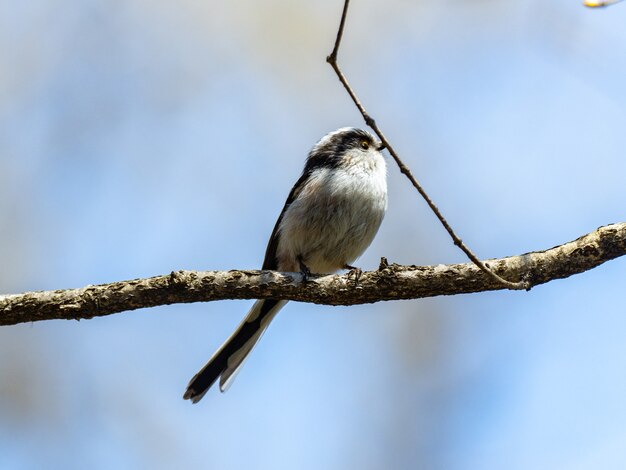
[
  {"x": 332, "y": 60},
  {"x": 389, "y": 282}
]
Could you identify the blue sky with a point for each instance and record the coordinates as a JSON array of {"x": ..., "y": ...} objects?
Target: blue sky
[{"x": 144, "y": 137}]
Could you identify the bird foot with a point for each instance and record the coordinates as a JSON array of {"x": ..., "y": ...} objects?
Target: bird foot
[
  {"x": 304, "y": 270},
  {"x": 354, "y": 271}
]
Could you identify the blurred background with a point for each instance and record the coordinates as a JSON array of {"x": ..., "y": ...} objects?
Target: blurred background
[{"x": 141, "y": 137}]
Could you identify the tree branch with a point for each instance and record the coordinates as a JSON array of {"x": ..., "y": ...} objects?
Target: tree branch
[
  {"x": 389, "y": 282},
  {"x": 332, "y": 60}
]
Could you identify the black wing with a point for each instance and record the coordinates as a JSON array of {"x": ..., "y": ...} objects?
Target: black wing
[{"x": 270, "y": 261}]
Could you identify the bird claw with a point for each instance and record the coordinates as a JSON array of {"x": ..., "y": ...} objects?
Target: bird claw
[
  {"x": 304, "y": 270},
  {"x": 354, "y": 271}
]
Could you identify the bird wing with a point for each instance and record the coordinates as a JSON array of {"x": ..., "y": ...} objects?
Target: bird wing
[{"x": 270, "y": 261}]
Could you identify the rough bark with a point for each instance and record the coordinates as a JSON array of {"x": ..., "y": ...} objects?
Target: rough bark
[{"x": 389, "y": 282}]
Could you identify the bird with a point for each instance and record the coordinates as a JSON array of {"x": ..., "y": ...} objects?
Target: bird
[{"x": 330, "y": 217}]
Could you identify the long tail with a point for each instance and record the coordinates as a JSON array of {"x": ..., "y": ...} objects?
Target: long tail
[{"x": 231, "y": 355}]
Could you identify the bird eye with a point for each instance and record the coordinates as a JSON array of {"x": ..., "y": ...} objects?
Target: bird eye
[{"x": 365, "y": 144}]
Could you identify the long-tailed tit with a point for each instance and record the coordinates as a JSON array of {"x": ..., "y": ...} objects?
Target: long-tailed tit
[{"x": 330, "y": 217}]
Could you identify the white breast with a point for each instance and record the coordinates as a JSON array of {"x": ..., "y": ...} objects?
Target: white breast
[{"x": 335, "y": 216}]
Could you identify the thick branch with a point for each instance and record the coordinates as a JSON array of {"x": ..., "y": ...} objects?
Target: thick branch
[{"x": 389, "y": 282}]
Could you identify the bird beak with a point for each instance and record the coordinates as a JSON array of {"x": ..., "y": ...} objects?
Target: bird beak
[{"x": 381, "y": 147}]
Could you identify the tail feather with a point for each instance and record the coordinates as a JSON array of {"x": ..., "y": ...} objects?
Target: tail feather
[{"x": 229, "y": 358}]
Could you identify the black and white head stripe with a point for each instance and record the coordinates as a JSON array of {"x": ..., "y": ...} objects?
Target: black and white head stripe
[{"x": 329, "y": 151}]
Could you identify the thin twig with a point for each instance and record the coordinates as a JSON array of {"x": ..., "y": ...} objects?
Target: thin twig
[
  {"x": 332, "y": 60},
  {"x": 389, "y": 282}
]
